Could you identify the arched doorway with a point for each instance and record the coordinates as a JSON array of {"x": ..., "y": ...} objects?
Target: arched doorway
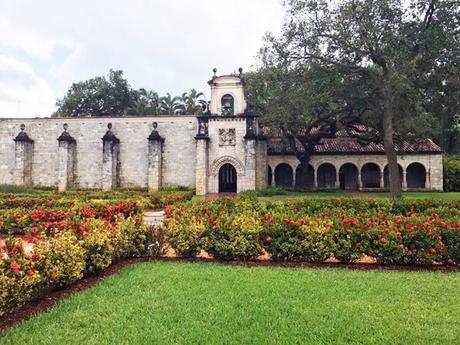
[
  {"x": 326, "y": 176},
  {"x": 283, "y": 175},
  {"x": 386, "y": 176},
  {"x": 415, "y": 175},
  {"x": 348, "y": 177},
  {"x": 269, "y": 175},
  {"x": 227, "y": 179},
  {"x": 370, "y": 175},
  {"x": 307, "y": 181}
]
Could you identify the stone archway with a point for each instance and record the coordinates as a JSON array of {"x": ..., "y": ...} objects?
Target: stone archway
[
  {"x": 307, "y": 181},
  {"x": 370, "y": 175},
  {"x": 386, "y": 176},
  {"x": 283, "y": 175},
  {"x": 348, "y": 177},
  {"x": 326, "y": 176},
  {"x": 228, "y": 179},
  {"x": 416, "y": 175}
]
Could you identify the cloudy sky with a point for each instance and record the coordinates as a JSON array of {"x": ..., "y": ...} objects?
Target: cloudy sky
[{"x": 164, "y": 45}]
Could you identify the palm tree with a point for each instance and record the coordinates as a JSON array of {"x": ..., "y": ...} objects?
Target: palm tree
[
  {"x": 170, "y": 105},
  {"x": 193, "y": 102},
  {"x": 145, "y": 102}
]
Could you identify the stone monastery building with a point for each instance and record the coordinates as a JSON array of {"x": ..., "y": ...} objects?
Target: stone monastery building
[{"x": 224, "y": 150}]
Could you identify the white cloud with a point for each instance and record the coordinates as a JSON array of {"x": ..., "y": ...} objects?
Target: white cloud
[
  {"x": 165, "y": 45},
  {"x": 22, "y": 92}
]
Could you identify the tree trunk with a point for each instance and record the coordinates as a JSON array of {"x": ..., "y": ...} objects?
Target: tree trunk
[
  {"x": 303, "y": 172},
  {"x": 388, "y": 144}
]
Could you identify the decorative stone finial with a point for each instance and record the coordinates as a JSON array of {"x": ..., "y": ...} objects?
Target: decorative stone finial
[
  {"x": 109, "y": 136},
  {"x": 155, "y": 136},
  {"x": 22, "y": 136},
  {"x": 65, "y": 136},
  {"x": 215, "y": 71},
  {"x": 240, "y": 70}
]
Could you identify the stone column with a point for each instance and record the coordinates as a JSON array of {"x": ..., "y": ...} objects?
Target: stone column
[
  {"x": 382, "y": 182},
  {"x": 110, "y": 164},
  {"x": 250, "y": 156},
  {"x": 293, "y": 176},
  {"x": 337, "y": 178},
  {"x": 155, "y": 157},
  {"x": 262, "y": 162},
  {"x": 66, "y": 157},
  {"x": 404, "y": 181},
  {"x": 315, "y": 178},
  {"x": 23, "y": 158},
  {"x": 360, "y": 183},
  {"x": 428, "y": 179},
  {"x": 202, "y": 164}
]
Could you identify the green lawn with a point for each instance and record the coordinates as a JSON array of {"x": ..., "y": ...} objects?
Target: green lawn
[{"x": 179, "y": 303}]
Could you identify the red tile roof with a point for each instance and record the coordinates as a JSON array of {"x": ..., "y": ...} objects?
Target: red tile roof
[{"x": 344, "y": 143}]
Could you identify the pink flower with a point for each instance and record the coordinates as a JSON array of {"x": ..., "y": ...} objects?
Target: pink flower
[{"x": 14, "y": 266}]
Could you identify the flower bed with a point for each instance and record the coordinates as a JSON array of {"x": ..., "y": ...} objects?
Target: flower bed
[
  {"x": 315, "y": 230},
  {"x": 69, "y": 235}
]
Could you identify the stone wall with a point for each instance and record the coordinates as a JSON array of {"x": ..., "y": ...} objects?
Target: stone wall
[{"x": 178, "y": 158}]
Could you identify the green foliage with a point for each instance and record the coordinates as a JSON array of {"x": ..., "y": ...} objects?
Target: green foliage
[
  {"x": 233, "y": 238},
  {"x": 99, "y": 96},
  {"x": 112, "y": 95},
  {"x": 451, "y": 166},
  {"x": 61, "y": 259}
]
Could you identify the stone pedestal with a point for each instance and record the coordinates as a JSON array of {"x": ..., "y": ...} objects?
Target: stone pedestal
[
  {"x": 110, "y": 160},
  {"x": 23, "y": 159},
  {"x": 155, "y": 153},
  {"x": 66, "y": 158},
  {"x": 201, "y": 173}
]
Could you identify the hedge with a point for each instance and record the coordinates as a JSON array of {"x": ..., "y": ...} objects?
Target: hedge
[{"x": 314, "y": 230}]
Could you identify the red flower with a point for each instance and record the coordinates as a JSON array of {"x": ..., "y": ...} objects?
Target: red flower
[
  {"x": 383, "y": 240},
  {"x": 268, "y": 239},
  {"x": 14, "y": 266},
  {"x": 432, "y": 251}
]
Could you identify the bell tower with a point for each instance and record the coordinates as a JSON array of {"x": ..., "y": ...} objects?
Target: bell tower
[
  {"x": 231, "y": 150},
  {"x": 227, "y": 94}
]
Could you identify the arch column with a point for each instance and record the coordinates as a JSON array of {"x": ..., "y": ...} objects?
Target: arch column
[
  {"x": 293, "y": 176},
  {"x": 404, "y": 180},
  {"x": 66, "y": 157},
  {"x": 155, "y": 159},
  {"x": 428, "y": 179},
  {"x": 337, "y": 177},
  {"x": 315, "y": 178},
  {"x": 23, "y": 158},
  {"x": 382, "y": 181},
  {"x": 360, "y": 183}
]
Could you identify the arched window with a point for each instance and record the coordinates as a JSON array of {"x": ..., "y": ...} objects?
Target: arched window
[
  {"x": 370, "y": 175},
  {"x": 227, "y": 104}
]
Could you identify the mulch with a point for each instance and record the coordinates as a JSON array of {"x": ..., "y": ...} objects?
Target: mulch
[{"x": 49, "y": 299}]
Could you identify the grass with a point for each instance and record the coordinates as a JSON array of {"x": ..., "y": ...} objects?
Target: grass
[{"x": 179, "y": 303}]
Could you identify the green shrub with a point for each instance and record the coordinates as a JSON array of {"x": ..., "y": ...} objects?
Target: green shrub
[
  {"x": 451, "y": 164},
  {"x": 61, "y": 259},
  {"x": 99, "y": 250},
  {"x": 234, "y": 238},
  {"x": 185, "y": 236}
]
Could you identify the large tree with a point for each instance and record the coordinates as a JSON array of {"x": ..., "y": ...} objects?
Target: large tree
[
  {"x": 99, "y": 96},
  {"x": 382, "y": 42}
]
